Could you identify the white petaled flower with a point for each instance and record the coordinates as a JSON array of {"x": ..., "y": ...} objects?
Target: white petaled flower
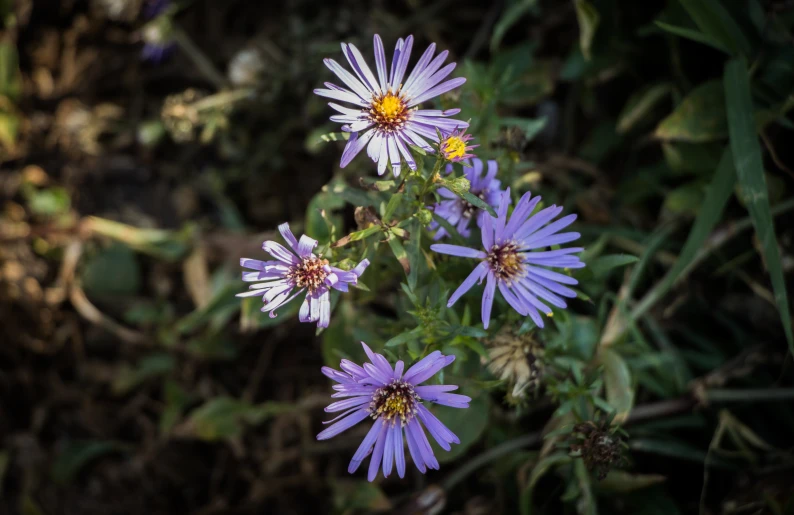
[{"x": 386, "y": 118}]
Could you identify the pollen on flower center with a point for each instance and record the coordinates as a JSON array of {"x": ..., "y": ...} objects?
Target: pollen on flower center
[
  {"x": 388, "y": 111},
  {"x": 309, "y": 273},
  {"x": 453, "y": 147},
  {"x": 395, "y": 400},
  {"x": 505, "y": 261}
]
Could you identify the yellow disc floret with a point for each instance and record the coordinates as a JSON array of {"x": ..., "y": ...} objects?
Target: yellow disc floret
[
  {"x": 388, "y": 111},
  {"x": 453, "y": 147}
]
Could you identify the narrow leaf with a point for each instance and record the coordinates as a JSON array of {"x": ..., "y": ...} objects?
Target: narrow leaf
[
  {"x": 750, "y": 171},
  {"x": 716, "y": 22}
]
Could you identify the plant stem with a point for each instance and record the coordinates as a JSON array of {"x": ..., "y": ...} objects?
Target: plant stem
[
  {"x": 201, "y": 61},
  {"x": 753, "y": 395}
]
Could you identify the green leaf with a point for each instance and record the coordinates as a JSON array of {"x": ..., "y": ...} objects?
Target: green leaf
[
  {"x": 112, "y": 271},
  {"x": 147, "y": 368},
  {"x": 696, "y": 158},
  {"x": 48, "y": 202},
  {"x": 588, "y": 18},
  {"x": 605, "y": 264},
  {"x": 9, "y": 128},
  {"x": 750, "y": 171},
  {"x": 224, "y": 417},
  {"x": 221, "y": 306},
  {"x": 700, "y": 116},
  {"x": 641, "y": 104},
  {"x": 478, "y": 202},
  {"x": 691, "y": 34},
  {"x": 161, "y": 244},
  {"x": 394, "y": 202},
  {"x": 678, "y": 449},
  {"x": 617, "y": 383},
  {"x": 10, "y": 78},
  {"x": 176, "y": 400},
  {"x": 685, "y": 199},
  {"x": 399, "y": 252},
  {"x": 77, "y": 455},
  {"x": 351, "y": 495},
  {"x": 405, "y": 337},
  {"x": 717, "y": 23},
  {"x": 510, "y": 17}
]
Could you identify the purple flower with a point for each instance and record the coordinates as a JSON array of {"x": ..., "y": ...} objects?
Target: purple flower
[
  {"x": 394, "y": 401},
  {"x": 457, "y": 211},
  {"x": 301, "y": 270},
  {"x": 454, "y": 146},
  {"x": 157, "y": 39},
  {"x": 386, "y": 118},
  {"x": 514, "y": 262}
]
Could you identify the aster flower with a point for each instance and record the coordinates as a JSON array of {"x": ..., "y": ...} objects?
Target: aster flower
[
  {"x": 459, "y": 212},
  {"x": 157, "y": 38},
  {"x": 394, "y": 401},
  {"x": 386, "y": 118},
  {"x": 276, "y": 281},
  {"x": 514, "y": 262},
  {"x": 454, "y": 146}
]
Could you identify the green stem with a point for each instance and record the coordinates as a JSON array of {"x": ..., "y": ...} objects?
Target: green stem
[
  {"x": 754, "y": 395},
  {"x": 201, "y": 61},
  {"x": 717, "y": 240}
]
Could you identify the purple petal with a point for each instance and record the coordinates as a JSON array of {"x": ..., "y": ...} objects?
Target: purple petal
[
  {"x": 325, "y": 309},
  {"x": 360, "y": 67},
  {"x": 423, "y": 445},
  {"x": 476, "y": 275},
  {"x": 388, "y": 452},
  {"x": 286, "y": 233},
  {"x": 354, "y": 145},
  {"x": 437, "y": 428},
  {"x": 428, "y": 372},
  {"x": 366, "y": 446},
  {"x": 513, "y": 299},
  {"x": 380, "y": 61},
  {"x": 377, "y": 454},
  {"x": 438, "y": 90},
  {"x": 422, "y": 364},
  {"x": 457, "y": 250},
  {"x": 343, "y": 424},
  {"x": 414, "y": 449},
  {"x": 419, "y": 68},
  {"x": 399, "y": 450},
  {"x": 402, "y": 64},
  {"x": 280, "y": 252},
  {"x": 379, "y": 361},
  {"x": 347, "y": 404},
  {"x": 376, "y": 374},
  {"x": 487, "y": 300},
  {"x": 342, "y": 95},
  {"x": 349, "y": 80}
]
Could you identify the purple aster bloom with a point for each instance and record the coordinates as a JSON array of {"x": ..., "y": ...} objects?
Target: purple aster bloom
[
  {"x": 457, "y": 211},
  {"x": 394, "y": 401},
  {"x": 157, "y": 39},
  {"x": 386, "y": 118},
  {"x": 454, "y": 146},
  {"x": 513, "y": 259},
  {"x": 276, "y": 281}
]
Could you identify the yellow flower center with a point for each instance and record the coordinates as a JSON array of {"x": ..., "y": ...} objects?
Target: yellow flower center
[
  {"x": 506, "y": 261},
  {"x": 453, "y": 147},
  {"x": 394, "y": 401},
  {"x": 389, "y": 107}
]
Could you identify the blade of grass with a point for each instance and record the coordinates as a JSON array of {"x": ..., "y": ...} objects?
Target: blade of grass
[
  {"x": 716, "y": 22},
  {"x": 750, "y": 172},
  {"x": 717, "y": 196},
  {"x": 692, "y": 34}
]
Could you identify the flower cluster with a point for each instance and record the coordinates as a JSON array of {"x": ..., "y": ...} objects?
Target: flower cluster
[{"x": 519, "y": 252}]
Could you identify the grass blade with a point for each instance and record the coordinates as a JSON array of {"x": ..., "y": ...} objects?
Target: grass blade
[
  {"x": 717, "y": 23},
  {"x": 750, "y": 172}
]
